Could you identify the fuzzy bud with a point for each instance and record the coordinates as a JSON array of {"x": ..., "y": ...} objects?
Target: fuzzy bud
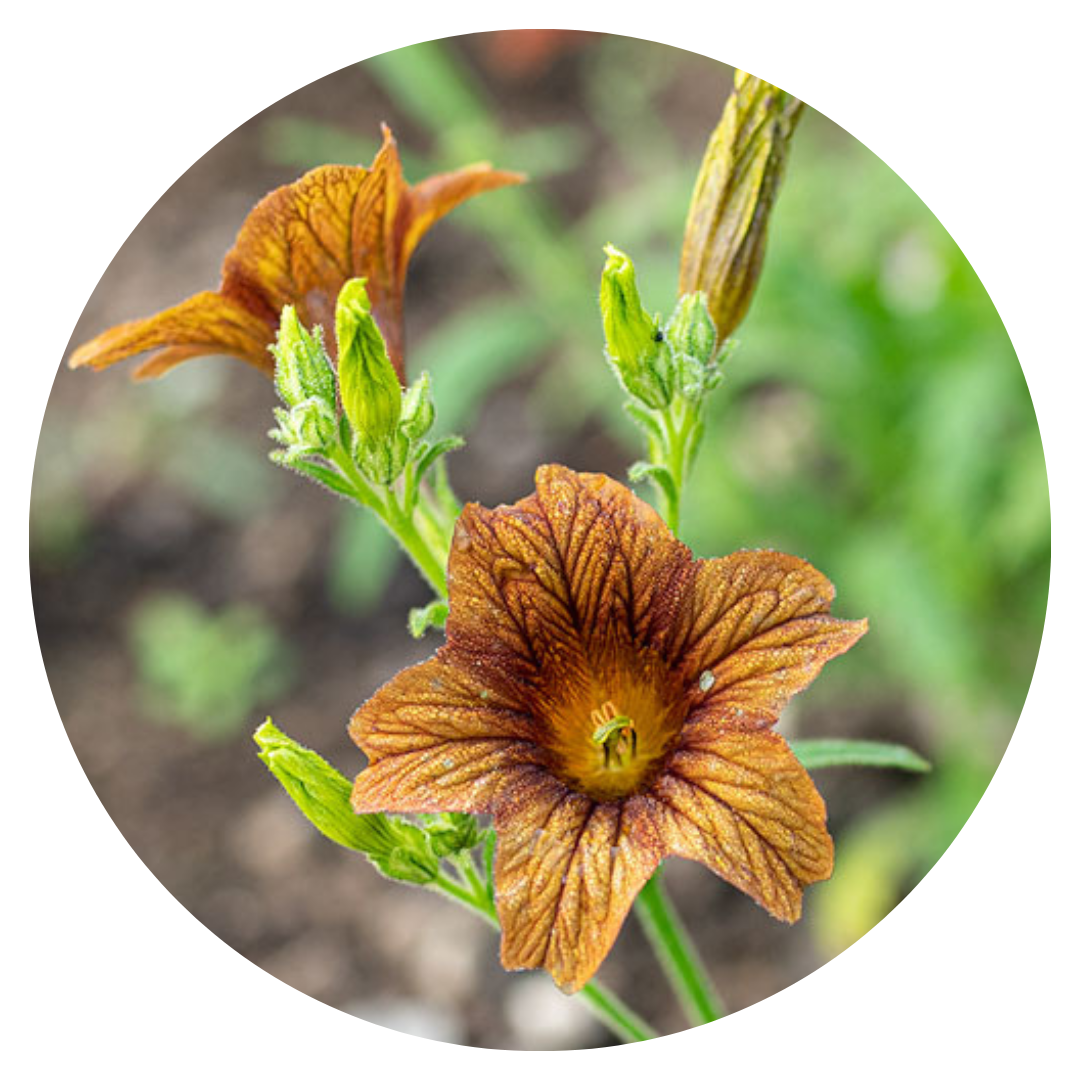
[
  {"x": 370, "y": 390},
  {"x": 635, "y": 342}
]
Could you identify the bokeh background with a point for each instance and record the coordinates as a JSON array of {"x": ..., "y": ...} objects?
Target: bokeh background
[{"x": 874, "y": 420}]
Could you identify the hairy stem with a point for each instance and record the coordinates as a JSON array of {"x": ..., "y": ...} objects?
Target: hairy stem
[{"x": 400, "y": 523}]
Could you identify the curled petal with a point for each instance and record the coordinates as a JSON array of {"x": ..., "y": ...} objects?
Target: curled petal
[
  {"x": 438, "y": 195},
  {"x": 439, "y": 738},
  {"x": 746, "y": 808},
  {"x": 298, "y": 246},
  {"x": 206, "y": 323},
  {"x": 567, "y": 870}
]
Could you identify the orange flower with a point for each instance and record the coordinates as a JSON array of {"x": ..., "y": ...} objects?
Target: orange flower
[
  {"x": 608, "y": 699},
  {"x": 298, "y": 246}
]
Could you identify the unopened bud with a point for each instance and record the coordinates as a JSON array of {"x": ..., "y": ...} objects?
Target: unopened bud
[
  {"x": 302, "y": 370},
  {"x": 417, "y": 409},
  {"x": 740, "y": 175},
  {"x": 320, "y": 791},
  {"x": 451, "y": 832},
  {"x": 690, "y": 330},
  {"x": 397, "y": 848},
  {"x": 370, "y": 390},
  {"x": 635, "y": 342}
]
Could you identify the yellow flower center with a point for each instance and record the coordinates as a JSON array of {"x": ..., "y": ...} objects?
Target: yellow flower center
[{"x": 610, "y": 731}]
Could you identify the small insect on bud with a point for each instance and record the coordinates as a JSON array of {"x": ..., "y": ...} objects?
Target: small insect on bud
[
  {"x": 370, "y": 390},
  {"x": 635, "y": 343}
]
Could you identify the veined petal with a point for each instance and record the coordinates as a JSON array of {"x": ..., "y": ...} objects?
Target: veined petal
[
  {"x": 298, "y": 246},
  {"x": 391, "y": 218},
  {"x": 295, "y": 246},
  {"x": 754, "y": 632},
  {"x": 746, "y": 808},
  {"x": 204, "y": 324},
  {"x": 567, "y": 870},
  {"x": 541, "y": 588},
  {"x": 439, "y": 737}
]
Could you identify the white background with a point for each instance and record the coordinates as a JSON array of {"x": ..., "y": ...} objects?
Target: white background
[{"x": 104, "y": 106}]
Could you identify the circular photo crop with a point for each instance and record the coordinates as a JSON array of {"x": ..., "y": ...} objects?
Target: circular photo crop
[{"x": 539, "y": 540}]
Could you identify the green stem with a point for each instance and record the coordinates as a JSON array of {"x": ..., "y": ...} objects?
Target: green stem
[
  {"x": 677, "y": 954},
  {"x": 671, "y": 459},
  {"x": 396, "y": 519},
  {"x": 608, "y": 1008},
  {"x": 453, "y": 889},
  {"x": 416, "y": 547},
  {"x": 615, "y": 1014},
  {"x": 467, "y": 868},
  {"x": 679, "y": 424}
]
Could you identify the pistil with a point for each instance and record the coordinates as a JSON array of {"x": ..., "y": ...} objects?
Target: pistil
[{"x": 616, "y": 734}]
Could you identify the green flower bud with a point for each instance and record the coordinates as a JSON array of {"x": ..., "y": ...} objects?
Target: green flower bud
[
  {"x": 370, "y": 390},
  {"x": 692, "y": 337},
  {"x": 397, "y": 848},
  {"x": 451, "y": 832},
  {"x": 417, "y": 409},
  {"x": 320, "y": 791},
  {"x": 635, "y": 343},
  {"x": 691, "y": 330},
  {"x": 740, "y": 175},
  {"x": 302, "y": 370},
  {"x": 414, "y": 865}
]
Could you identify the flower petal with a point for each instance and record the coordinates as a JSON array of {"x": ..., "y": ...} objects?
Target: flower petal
[
  {"x": 295, "y": 247},
  {"x": 391, "y": 218},
  {"x": 755, "y": 631},
  {"x": 567, "y": 870},
  {"x": 539, "y": 589},
  {"x": 746, "y": 808},
  {"x": 298, "y": 246},
  {"x": 436, "y": 196},
  {"x": 204, "y": 324},
  {"x": 439, "y": 738}
]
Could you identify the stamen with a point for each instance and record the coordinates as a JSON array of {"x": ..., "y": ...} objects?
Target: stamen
[{"x": 616, "y": 734}]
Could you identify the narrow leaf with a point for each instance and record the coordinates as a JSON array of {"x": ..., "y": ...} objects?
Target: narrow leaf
[{"x": 827, "y": 753}]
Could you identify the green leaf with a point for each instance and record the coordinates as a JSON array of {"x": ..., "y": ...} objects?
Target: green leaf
[
  {"x": 430, "y": 454},
  {"x": 645, "y": 418},
  {"x": 421, "y": 620},
  {"x": 322, "y": 475},
  {"x": 659, "y": 474},
  {"x": 827, "y": 753}
]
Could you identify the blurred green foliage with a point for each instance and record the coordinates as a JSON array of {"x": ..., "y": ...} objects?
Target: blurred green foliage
[
  {"x": 875, "y": 419},
  {"x": 207, "y": 671}
]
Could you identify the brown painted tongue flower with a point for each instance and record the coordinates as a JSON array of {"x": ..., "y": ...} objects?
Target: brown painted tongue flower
[
  {"x": 608, "y": 699},
  {"x": 298, "y": 246}
]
